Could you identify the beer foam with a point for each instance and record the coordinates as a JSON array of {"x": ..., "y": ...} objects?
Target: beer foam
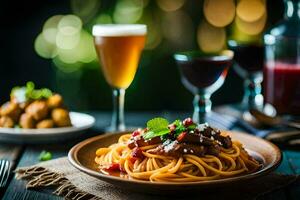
[{"x": 119, "y": 29}]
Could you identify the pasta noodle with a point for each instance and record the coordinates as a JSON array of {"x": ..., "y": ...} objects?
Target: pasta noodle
[{"x": 187, "y": 167}]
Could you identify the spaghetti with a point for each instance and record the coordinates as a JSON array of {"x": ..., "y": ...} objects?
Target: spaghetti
[{"x": 193, "y": 153}]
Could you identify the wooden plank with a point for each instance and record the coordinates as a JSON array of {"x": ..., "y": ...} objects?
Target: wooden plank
[
  {"x": 10, "y": 152},
  {"x": 16, "y": 189}
]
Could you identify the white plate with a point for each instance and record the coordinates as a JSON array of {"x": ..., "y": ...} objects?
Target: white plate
[{"x": 80, "y": 123}]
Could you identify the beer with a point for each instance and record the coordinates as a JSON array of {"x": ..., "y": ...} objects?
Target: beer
[{"x": 119, "y": 48}]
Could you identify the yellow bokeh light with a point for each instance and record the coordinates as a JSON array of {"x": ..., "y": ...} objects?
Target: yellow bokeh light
[
  {"x": 210, "y": 39},
  {"x": 219, "y": 12},
  {"x": 251, "y": 28},
  {"x": 154, "y": 35},
  {"x": 250, "y": 10},
  {"x": 240, "y": 36},
  {"x": 170, "y": 5},
  {"x": 43, "y": 48},
  {"x": 178, "y": 28},
  {"x": 128, "y": 11}
]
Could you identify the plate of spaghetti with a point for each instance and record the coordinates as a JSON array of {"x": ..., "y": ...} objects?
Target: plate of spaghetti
[{"x": 166, "y": 156}]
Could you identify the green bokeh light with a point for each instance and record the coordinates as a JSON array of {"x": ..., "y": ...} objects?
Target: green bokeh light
[
  {"x": 128, "y": 11},
  {"x": 44, "y": 48}
]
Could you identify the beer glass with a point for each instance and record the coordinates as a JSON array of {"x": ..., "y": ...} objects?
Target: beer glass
[{"x": 119, "y": 47}]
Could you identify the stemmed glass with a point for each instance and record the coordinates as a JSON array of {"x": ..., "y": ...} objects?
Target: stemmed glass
[
  {"x": 119, "y": 48},
  {"x": 203, "y": 74},
  {"x": 249, "y": 59}
]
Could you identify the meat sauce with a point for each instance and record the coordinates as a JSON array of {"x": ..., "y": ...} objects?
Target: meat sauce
[{"x": 199, "y": 141}]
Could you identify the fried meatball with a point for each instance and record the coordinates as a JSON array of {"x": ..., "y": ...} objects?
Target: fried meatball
[
  {"x": 38, "y": 110},
  {"x": 61, "y": 117},
  {"x": 46, "y": 123},
  {"x": 11, "y": 109},
  {"x": 6, "y": 122},
  {"x": 55, "y": 101},
  {"x": 27, "y": 121}
]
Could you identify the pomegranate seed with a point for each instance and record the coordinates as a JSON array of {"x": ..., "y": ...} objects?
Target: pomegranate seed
[
  {"x": 113, "y": 167},
  {"x": 137, "y": 153},
  {"x": 172, "y": 127},
  {"x": 136, "y": 133},
  {"x": 181, "y": 136},
  {"x": 187, "y": 122}
]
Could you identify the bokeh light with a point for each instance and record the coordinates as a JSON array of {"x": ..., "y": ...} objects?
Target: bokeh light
[
  {"x": 178, "y": 28},
  {"x": 50, "y": 28},
  {"x": 69, "y": 25},
  {"x": 154, "y": 33},
  {"x": 128, "y": 11},
  {"x": 243, "y": 37},
  {"x": 210, "y": 38},
  {"x": 219, "y": 12},
  {"x": 251, "y": 28},
  {"x": 66, "y": 67},
  {"x": 64, "y": 40},
  {"x": 85, "y": 49},
  {"x": 170, "y": 5},
  {"x": 86, "y": 9},
  {"x": 44, "y": 48},
  {"x": 103, "y": 19},
  {"x": 250, "y": 10}
]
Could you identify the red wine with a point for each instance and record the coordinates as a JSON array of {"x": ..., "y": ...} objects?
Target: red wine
[
  {"x": 202, "y": 73},
  {"x": 249, "y": 57},
  {"x": 282, "y": 87}
]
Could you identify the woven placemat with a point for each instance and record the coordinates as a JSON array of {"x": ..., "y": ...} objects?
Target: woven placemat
[{"x": 69, "y": 182}]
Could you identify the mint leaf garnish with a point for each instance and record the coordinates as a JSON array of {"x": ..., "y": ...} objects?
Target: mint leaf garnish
[
  {"x": 152, "y": 134},
  {"x": 157, "y": 124},
  {"x": 156, "y": 127}
]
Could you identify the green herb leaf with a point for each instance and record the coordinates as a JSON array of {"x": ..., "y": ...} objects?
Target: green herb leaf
[
  {"x": 28, "y": 92},
  {"x": 157, "y": 127},
  {"x": 192, "y": 126},
  {"x": 152, "y": 134},
  {"x": 45, "y": 155},
  {"x": 177, "y": 122},
  {"x": 157, "y": 124}
]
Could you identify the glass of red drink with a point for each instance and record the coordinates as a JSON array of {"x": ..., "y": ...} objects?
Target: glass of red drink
[
  {"x": 282, "y": 64},
  {"x": 203, "y": 74},
  {"x": 249, "y": 62}
]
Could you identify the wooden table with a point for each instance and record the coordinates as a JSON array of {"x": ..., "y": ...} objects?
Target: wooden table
[{"x": 24, "y": 155}]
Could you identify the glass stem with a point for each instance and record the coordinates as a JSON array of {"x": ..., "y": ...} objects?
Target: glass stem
[
  {"x": 118, "y": 112},
  {"x": 202, "y": 106},
  {"x": 253, "y": 97}
]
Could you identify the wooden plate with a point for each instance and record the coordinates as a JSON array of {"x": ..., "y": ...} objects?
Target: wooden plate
[{"x": 82, "y": 157}]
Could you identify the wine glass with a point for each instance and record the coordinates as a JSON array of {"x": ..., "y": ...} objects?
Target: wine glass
[
  {"x": 249, "y": 59},
  {"x": 119, "y": 47},
  {"x": 203, "y": 74}
]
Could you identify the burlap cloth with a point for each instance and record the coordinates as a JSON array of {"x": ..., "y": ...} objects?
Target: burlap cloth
[{"x": 65, "y": 180}]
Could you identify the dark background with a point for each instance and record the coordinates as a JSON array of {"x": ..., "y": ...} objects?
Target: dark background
[{"x": 156, "y": 86}]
